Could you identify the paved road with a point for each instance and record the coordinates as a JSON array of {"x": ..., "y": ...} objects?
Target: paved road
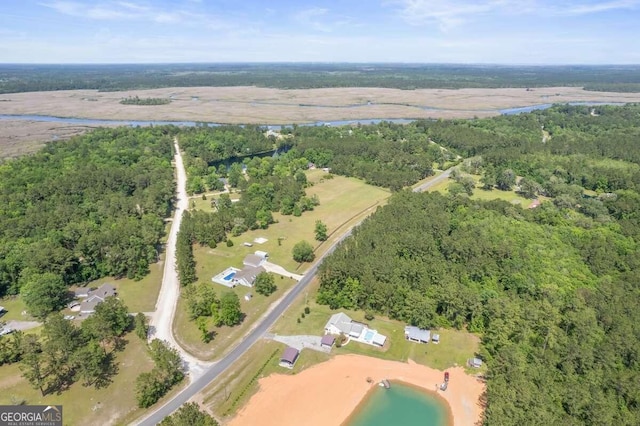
[
  {"x": 219, "y": 367},
  {"x": 256, "y": 334},
  {"x": 436, "y": 180}
]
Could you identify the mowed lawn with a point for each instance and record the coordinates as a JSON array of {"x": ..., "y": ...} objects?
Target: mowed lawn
[
  {"x": 224, "y": 338},
  {"x": 483, "y": 194},
  {"x": 139, "y": 296},
  {"x": 455, "y": 346},
  {"x": 87, "y": 405},
  {"x": 342, "y": 202}
]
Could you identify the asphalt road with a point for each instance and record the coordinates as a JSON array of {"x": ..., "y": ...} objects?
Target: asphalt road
[{"x": 221, "y": 366}]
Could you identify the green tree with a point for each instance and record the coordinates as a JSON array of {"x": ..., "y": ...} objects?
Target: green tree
[
  {"x": 321, "y": 231},
  {"x": 303, "y": 252},
  {"x": 265, "y": 284},
  {"x": 230, "y": 313},
  {"x": 44, "y": 293},
  {"x": 205, "y": 336},
  {"x": 109, "y": 321},
  {"x": 189, "y": 415},
  {"x": 141, "y": 325},
  {"x": 92, "y": 365},
  {"x": 149, "y": 389},
  {"x": 505, "y": 179},
  {"x": 32, "y": 364}
]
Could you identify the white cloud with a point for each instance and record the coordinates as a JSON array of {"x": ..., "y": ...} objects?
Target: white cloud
[
  {"x": 122, "y": 10},
  {"x": 312, "y": 18},
  {"x": 447, "y": 14},
  {"x": 598, "y": 7}
]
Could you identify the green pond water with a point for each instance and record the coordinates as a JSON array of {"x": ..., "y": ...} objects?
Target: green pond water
[{"x": 400, "y": 406}]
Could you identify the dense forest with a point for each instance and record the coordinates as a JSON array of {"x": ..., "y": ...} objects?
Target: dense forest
[
  {"x": 26, "y": 78},
  {"x": 553, "y": 291},
  {"x": 86, "y": 208}
]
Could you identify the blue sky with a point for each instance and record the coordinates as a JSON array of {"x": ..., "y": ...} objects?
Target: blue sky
[{"x": 424, "y": 31}]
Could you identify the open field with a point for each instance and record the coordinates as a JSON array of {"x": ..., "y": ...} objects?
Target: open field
[
  {"x": 248, "y": 104},
  {"x": 343, "y": 201},
  {"x": 87, "y": 405},
  {"x": 483, "y": 194}
]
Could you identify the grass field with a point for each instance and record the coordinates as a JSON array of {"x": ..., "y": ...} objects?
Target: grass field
[
  {"x": 139, "y": 296},
  {"x": 482, "y": 194},
  {"x": 234, "y": 388},
  {"x": 87, "y": 405},
  {"x": 14, "y": 307},
  {"x": 343, "y": 201},
  {"x": 189, "y": 337},
  {"x": 454, "y": 349}
]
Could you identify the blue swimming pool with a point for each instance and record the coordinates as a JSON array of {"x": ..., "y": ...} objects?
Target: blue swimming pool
[
  {"x": 230, "y": 276},
  {"x": 369, "y": 336}
]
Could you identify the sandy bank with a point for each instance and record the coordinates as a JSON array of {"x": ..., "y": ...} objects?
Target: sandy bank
[{"x": 326, "y": 394}]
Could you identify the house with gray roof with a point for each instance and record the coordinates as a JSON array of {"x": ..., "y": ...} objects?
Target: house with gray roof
[
  {"x": 95, "y": 297},
  {"x": 341, "y": 323},
  {"x": 253, "y": 260},
  {"x": 416, "y": 334},
  {"x": 248, "y": 275}
]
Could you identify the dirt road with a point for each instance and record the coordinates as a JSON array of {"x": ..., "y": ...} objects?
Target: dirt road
[{"x": 162, "y": 319}]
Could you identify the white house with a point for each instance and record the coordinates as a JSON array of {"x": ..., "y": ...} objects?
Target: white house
[{"x": 342, "y": 323}]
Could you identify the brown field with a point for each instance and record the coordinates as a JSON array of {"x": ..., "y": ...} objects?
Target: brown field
[{"x": 267, "y": 106}]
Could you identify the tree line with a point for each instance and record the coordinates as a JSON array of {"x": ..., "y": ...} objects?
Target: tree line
[
  {"x": 551, "y": 290},
  {"x": 85, "y": 208},
  {"x": 27, "y": 78}
]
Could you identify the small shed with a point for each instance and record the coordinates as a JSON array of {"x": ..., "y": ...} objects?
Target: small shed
[
  {"x": 263, "y": 254},
  {"x": 379, "y": 339},
  {"x": 435, "y": 338},
  {"x": 247, "y": 244},
  {"x": 289, "y": 357},
  {"x": 475, "y": 362},
  {"x": 327, "y": 340}
]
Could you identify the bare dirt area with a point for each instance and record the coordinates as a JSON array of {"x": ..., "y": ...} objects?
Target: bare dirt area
[
  {"x": 329, "y": 392},
  {"x": 244, "y": 105}
]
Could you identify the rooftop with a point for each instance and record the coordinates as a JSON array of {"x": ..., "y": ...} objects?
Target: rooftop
[{"x": 290, "y": 355}]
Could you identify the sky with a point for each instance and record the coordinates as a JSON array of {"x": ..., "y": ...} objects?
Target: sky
[{"x": 413, "y": 31}]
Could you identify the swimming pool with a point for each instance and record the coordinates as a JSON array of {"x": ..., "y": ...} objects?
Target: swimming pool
[
  {"x": 229, "y": 276},
  {"x": 369, "y": 335}
]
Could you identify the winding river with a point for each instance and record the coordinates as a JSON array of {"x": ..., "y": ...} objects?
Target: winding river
[{"x": 135, "y": 123}]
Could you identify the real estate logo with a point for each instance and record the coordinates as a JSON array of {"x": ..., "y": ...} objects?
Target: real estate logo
[{"x": 30, "y": 415}]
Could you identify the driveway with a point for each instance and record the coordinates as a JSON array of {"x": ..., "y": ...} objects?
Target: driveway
[
  {"x": 300, "y": 342},
  {"x": 277, "y": 269}
]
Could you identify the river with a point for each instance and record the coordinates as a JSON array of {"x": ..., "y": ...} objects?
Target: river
[{"x": 141, "y": 123}]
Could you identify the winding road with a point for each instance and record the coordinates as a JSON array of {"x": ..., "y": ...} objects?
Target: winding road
[{"x": 201, "y": 374}]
